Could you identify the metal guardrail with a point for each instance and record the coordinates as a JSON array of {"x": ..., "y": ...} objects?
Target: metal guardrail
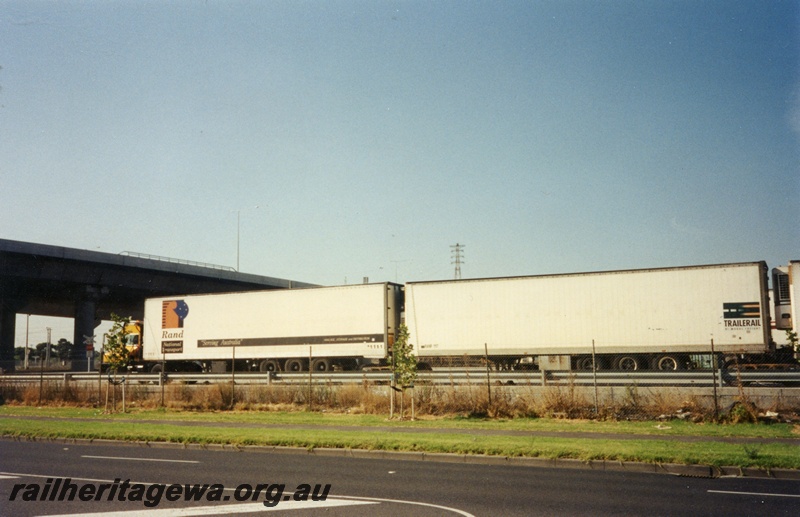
[
  {"x": 696, "y": 378},
  {"x": 175, "y": 261}
]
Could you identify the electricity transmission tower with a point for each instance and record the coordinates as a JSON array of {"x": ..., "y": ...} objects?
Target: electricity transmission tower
[{"x": 457, "y": 254}]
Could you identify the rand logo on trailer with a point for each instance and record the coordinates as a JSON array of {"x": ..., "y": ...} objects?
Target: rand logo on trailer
[{"x": 173, "y": 314}]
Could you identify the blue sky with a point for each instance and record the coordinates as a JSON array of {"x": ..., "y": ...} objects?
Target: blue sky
[{"x": 547, "y": 137}]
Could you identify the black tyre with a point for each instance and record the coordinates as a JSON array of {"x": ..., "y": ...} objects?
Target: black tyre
[
  {"x": 321, "y": 365},
  {"x": 628, "y": 363},
  {"x": 269, "y": 365},
  {"x": 666, "y": 363},
  {"x": 157, "y": 368},
  {"x": 295, "y": 365}
]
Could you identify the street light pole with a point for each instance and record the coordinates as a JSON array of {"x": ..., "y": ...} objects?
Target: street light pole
[
  {"x": 395, "y": 267},
  {"x": 238, "y": 233}
]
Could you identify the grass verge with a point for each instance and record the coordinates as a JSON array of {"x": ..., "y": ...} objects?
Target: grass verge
[
  {"x": 650, "y": 428},
  {"x": 450, "y": 435}
]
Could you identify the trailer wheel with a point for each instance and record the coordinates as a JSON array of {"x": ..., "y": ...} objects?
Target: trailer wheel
[
  {"x": 585, "y": 363},
  {"x": 666, "y": 363},
  {"x": 627, "y": 362},
  {"x": 321, "y": 365},
  {"x": 269, "y": 365},
  {"x": 295, "y": 365},
  {"x": 159, "y": 370}
]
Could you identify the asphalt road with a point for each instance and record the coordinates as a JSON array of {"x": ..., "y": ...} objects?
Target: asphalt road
[{"x": 358, "y": 487}]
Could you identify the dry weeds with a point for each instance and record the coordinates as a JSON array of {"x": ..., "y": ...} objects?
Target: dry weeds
[{"x": 471, "y": 400}]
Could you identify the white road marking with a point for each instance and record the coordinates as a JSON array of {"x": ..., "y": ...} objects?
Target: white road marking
[
  {"x": 401, "y": 501},
  {"x": 9, "y": 477},
  {"x": 224, "y": 509},
  {"x": 137, "y": 459},
  {"x": 73, "y": 478},
  {"x": 752, "y": 493}
]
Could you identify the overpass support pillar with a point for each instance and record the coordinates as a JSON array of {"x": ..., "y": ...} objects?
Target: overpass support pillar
[
  {"x": 85, "y": 323},
  {"x": 8, "y": 323}
]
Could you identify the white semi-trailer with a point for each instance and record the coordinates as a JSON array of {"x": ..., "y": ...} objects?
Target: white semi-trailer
[
  {"x": 321, "y": 328},
  {"x": 636, "y": 319}
]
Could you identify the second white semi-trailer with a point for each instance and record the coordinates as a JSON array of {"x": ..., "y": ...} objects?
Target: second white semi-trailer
[{"x": 635, "y": 319}]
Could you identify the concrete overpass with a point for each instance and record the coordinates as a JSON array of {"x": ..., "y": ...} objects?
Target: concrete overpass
[{"x": 89, "y": 285}]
